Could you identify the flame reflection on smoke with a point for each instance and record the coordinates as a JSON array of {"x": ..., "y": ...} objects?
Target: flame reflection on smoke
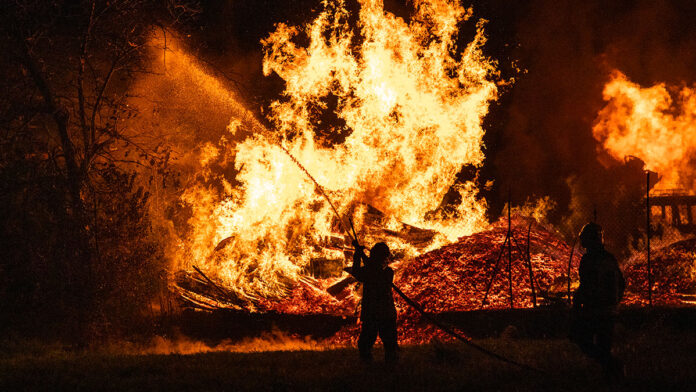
[{"x": 648, "y": 123}]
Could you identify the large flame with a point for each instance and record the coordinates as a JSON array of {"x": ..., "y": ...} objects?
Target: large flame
[
  {"x": 650, "y": 124},
  {"x": 402, "y": 110}
]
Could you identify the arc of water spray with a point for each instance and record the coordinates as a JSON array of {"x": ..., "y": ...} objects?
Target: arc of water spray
[{"x": 257, "y": 127}]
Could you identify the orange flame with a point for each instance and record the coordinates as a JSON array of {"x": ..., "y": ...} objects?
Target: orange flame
[
  {"x": 412, "y": 110},
  {"x": 650, "y": 124}
]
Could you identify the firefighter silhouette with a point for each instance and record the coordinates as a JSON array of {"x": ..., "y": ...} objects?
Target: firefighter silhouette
[
  {"x": 595, "y": 301},
  {"x": 377, "y": 314}
]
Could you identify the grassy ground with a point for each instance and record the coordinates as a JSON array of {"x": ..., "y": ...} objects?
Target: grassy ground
[{"x": 658, "y": 359}]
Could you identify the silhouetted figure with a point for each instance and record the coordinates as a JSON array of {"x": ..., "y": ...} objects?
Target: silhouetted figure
[
  {"x": 595, "y": 301},
  {"x": 377, "y": 314}
]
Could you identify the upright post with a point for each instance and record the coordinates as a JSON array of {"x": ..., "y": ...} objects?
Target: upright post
[
  {"x": 570, "y": 263},
  {"x": 495, "y": 271},
  {"x": 529, "y": 264},
  {"x": 647, "y": 230},
  {"x": 509, "y": 234}
]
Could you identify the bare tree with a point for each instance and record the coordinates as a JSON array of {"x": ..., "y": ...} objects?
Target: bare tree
[{"x": 65, "y": 104}]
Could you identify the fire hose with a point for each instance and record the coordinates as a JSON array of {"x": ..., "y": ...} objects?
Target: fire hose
[
  {"x": 409, "y": 301},
  {"x": 460, "y": 337}
]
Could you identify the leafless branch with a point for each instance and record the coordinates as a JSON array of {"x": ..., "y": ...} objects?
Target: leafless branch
[{"x": 84, "y": 44}]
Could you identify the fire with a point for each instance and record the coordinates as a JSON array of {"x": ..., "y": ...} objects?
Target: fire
[
  {"x": 413, "y": 110},
  {"x": 652, "y": 125},
  {"x": 407, "y": 117}
]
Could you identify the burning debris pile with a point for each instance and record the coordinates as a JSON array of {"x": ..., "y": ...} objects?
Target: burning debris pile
[
  {"x": 451, "y": 278},
  {"x": 674, "y": 275},
  {"x": 311, "y": 297},
  {"x": 448, "y": 279},
  {"x": 308, "y": 295},
  {"x": 455, "y": 277}
]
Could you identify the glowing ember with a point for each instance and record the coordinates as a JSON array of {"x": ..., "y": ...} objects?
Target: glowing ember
[
  {"x": 454, "y": 278},
  {"x": 650, "y": 124},
  {"x": 407, "y": 118},
  {"x": 674, "y": 275}
]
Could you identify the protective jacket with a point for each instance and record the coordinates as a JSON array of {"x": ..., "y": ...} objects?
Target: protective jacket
[
  {"x": 601, "y": 281},
  {"x": 377, "y": 300}
]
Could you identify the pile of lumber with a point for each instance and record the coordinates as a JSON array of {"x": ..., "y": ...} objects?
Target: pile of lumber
[{"x": 197, "y": 290}]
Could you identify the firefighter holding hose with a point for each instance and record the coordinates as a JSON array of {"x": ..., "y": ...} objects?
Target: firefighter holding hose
[{"x": 377, "y": 314}]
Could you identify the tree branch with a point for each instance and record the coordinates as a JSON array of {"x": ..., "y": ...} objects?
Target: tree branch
[
  {"x": 80, "y": 85},
  {"x": 100, "y": 95},
  {"x": 61, "y": 117}
]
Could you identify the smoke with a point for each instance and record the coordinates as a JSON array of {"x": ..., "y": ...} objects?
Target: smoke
[
  {"x": 185, "y": 105},
  {"x": 569, "y": 49}
]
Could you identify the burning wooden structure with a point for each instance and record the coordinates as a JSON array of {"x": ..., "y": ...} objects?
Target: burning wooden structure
[
  {"x": 676, "y": 208},
  {"x": 448, "y": 279},
  {"x": 198, "y": 290}
]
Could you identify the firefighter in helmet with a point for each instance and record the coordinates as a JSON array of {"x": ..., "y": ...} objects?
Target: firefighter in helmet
[
  {"x": 595, "y": 301},
  {"x": 377, "y": 313}
]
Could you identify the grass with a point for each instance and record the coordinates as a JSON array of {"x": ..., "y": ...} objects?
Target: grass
[{"x": 658, "y": 359}]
